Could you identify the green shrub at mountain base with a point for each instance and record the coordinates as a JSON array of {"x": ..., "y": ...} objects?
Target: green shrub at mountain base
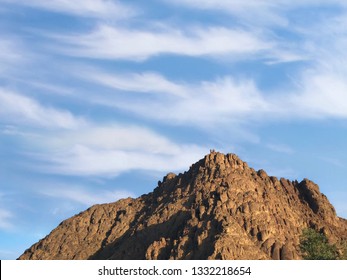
[
  {"x": 315, "y": 246},
  {"x": 342, "y": 248}
]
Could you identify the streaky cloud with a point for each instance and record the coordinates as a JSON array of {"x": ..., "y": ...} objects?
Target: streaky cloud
[
  {"x": 5, "y": 219},
  {"x": 19, "y": 109},
  {"x": 83, "y": 196},
  {"x": 109, "y": 42},
  {"x": 100, "y": 9}
]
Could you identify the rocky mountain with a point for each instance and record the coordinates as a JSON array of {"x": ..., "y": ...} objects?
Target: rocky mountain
[{"x": 219, "y": 209}]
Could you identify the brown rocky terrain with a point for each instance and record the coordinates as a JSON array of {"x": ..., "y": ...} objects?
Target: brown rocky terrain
[{"x": 219, "y": 209}]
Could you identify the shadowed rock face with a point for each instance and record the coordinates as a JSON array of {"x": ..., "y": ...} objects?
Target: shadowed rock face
[{"x": 219, "y": 209}]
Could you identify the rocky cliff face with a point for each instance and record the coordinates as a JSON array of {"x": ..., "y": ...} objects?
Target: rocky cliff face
[{"x": 219, "y": 209}]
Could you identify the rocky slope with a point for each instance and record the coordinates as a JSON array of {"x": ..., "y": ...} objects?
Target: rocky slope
[{"x": 219, "y": 209}]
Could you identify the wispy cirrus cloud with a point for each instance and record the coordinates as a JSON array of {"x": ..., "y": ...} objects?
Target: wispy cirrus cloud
[
  {"x": 12, "y": 54},
  {"x": 86, "y": 161},
  {"x": 253, "y": 11},
  {"x": 16, "y": 108},
  {"x": 83, "y": 196},
  {"x": 316, "y": 94},
  {"x": 5, "y": 219},
  {"x": 82, "y": 147},
  {"x": 320, "y": 95},
  {"x": 276, "y": 18},
  {"x": 280, "y": 148},
  {"x": 333, "y": 161},
  {"x": 108, "y": 42},
  {"x": 84, "y": 8},
  {"x": 115, "y": 137},
  {"x": 148, "y": 82},
  {"x": 203, "y": 104},
  {"x": 68, "y": 144},
  {"x": 246, "y": 9},
  {"x": 321, "y": 89},
  {"x": 9, "y": 51},
  {"x": 110, "y": 151}
]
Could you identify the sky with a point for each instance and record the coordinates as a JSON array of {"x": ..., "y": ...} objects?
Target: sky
[{"x": 99, "y": 99}]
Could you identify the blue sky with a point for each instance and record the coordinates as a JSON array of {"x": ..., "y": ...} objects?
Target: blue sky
[{"x": 100, "y": 99}]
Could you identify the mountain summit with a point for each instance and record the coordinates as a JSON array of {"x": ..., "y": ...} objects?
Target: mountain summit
[{"x": 219, "y": 209}]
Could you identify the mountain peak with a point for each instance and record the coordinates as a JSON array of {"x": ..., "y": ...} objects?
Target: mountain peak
[
  {"x": 220, "y": 159},
  {"x": 219, "y": 209}
]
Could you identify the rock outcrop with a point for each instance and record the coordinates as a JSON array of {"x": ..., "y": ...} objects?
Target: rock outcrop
[{"x": 219, "y": 209}]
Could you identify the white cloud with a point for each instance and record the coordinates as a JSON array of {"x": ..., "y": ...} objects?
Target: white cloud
[
  {"x": 70, "y": 145},
  {"x": 115, "y": 137},
  {"x": 333, "y": 161},
  {"x": 96, "y": 149},
  {"x": 5, "y": 219},
  {"x": 18, "y": 109},
  {"x": 318, "y": 94},
  {"x": 83, "y": 196},
  {"x": 85, "y": 8},
  {"x": 49, "y": 88},
  {"x": 280, "y": 148},
  {"x": 253, "y": 10},
  {"x": 322, "y": 95},
  {"x": 204, "y": 104},
  {"x": 265, "y": 7},
  {"x": 11, "y": 55},
  {"x": 9, "y": 51},
  {"x": 321, "y": 88},
  {"x": 94, "y": 160},
  {"x": 136, "y": 82},
  {"x": 108, "y": 42}
]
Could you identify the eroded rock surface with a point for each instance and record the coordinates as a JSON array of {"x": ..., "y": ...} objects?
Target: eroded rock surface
[{"x": 219, "y": 209}]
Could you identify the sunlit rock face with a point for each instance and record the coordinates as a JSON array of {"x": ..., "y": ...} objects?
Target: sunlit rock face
[{"x": 219, "y": 209}]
